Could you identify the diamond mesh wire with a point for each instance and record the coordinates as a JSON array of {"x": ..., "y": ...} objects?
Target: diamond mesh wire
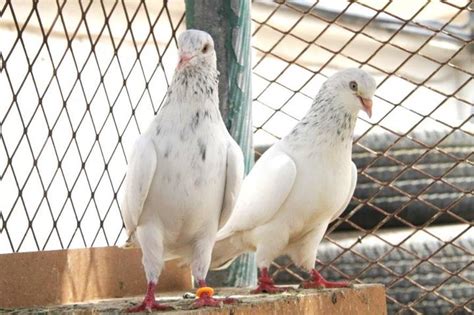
[
  {"x": 81, "y": 78},
  {"x": 409, "y": 224}
]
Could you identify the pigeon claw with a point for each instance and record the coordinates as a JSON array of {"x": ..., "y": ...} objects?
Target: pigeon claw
[
  {"x": 318, "y": 282},
  {"x": 149, "y": 303},
  {"x": 206, "y": 300},
  {"x": 149, "y": 306},
  {"x": 266, "y": 284},
  {"x": 267, "y": 288}
]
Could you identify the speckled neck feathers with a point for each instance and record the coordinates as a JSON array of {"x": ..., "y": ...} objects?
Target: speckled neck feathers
[
  {"x": 194, "y": 83},
  {"x": 192, "y": 104},
  {"x": 328, "y": 123}
]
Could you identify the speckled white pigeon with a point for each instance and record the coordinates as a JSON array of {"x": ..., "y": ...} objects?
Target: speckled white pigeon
[
  {"x": 300, "y": 184},
  {"x": 184, "y": 174}
]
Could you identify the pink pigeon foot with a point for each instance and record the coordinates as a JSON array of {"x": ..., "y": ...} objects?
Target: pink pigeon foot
[
  {"x": 149, "y": 303},
  {"x": 317, "y": 281},
  {"x": 204, "y": 297},
  {"x": 266, "y": 284}
]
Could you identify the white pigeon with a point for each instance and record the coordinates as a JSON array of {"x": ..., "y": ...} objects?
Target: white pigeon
[
  {"x": 184, "y": 174},
  {"x": 300, "y": 184}
]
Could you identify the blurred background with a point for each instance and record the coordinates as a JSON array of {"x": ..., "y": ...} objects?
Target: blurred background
[{"x": 81, "y": 79}]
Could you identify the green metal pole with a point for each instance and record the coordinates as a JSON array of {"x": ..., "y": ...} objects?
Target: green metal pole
[{"x": 228, "y": 22}]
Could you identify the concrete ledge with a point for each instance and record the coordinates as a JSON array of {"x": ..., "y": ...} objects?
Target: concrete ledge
[
  {"x": 359, "y": 300},
  {"x": 68, "y": 276}
]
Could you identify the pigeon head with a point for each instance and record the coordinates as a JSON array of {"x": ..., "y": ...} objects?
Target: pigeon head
[
  {"x": 196, "y": 48},
  {"x": 355, "y": 87}
]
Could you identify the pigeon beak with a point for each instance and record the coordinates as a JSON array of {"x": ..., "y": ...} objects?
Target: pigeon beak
[
  {"x": 184, "y": 59},
  {"x": 367, "y": 105}
]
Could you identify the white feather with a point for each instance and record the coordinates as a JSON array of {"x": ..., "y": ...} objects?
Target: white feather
[
  {"x": 351, "y": 192},
  {"x": 234, "y": 175},
  {"x": 141, "y": 167},
  {"x": 263, "y": 192}
]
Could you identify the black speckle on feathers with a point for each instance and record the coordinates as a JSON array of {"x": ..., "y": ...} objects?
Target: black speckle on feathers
[
  {"x": 202, "y": 149},
  {"x": 196, "y": 120}
]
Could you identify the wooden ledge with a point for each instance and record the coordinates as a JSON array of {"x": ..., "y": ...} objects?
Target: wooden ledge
[
  {"x": 359, "y": 300},
  {"x": 77, "y": 275}
]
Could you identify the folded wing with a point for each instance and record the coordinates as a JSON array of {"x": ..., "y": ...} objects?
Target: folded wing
[
  {"x": 263, "y": 192},
  {"x": 233, "y": 180},
  {"x": 140, "y": 173}
]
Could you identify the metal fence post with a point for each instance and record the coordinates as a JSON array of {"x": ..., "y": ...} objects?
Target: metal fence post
[{"x": 228, "y": 22}]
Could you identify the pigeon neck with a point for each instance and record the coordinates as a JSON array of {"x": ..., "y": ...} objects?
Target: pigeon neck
[
  {"x": 195, "y": 84},
  {"x": 328, "y": 123},
  {"x": 192, "y": 95}
]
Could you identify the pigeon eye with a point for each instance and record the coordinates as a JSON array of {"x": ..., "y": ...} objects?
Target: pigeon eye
[
  {"x": 205, "y": 48},
  {"x": 353, "y": 85}
]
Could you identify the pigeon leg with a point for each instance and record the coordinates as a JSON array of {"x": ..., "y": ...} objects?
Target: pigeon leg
[
  {"x": 266, "y": 284},
  {"x": 204, "y": 297},
  {"x": 149, "y": 303},
  {"x": 151, "y": 243},
  {"x": 200, "y": 265},
  {"x": 317, "y": 281}
]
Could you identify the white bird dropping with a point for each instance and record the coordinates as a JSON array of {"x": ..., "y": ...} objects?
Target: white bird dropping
[
  {"x": 301, "y": 184},
  {"x": 184, "y": 173}
]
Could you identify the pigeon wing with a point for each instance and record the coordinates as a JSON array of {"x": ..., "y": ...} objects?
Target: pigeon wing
[
  {"x": 351, "y": 192},
  {"x": 263, "y": 192},
  {"x": 140, "y": 173},
  {"x": 233, "y": 180}
]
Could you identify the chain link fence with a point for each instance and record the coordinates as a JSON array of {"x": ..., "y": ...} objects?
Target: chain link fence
[
  {"x": 409, "y": 224},
  {"x": 80, "y": 79}
]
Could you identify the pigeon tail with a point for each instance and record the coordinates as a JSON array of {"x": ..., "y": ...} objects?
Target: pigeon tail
[{"x": 226, "y": 251}]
